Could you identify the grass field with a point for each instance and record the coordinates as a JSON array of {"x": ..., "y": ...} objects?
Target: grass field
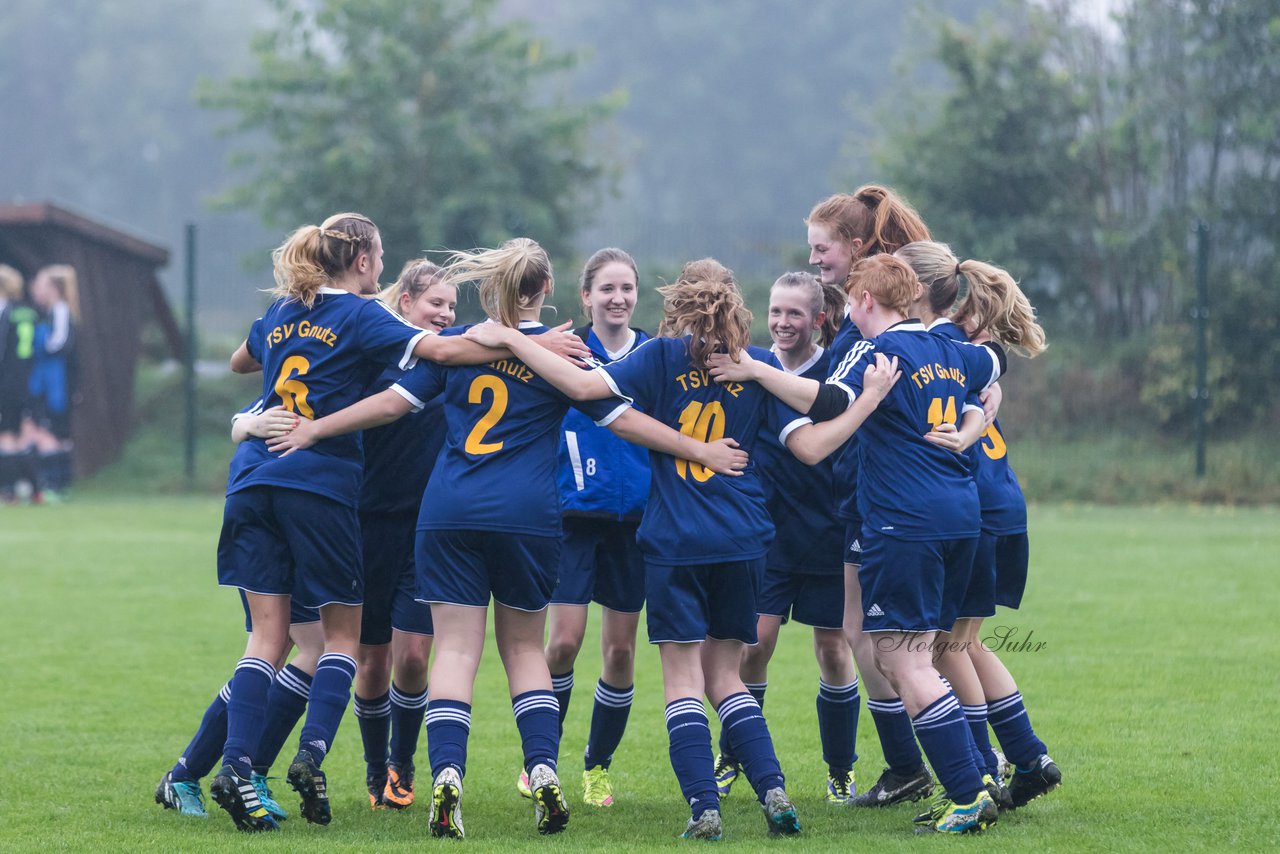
[{"x": 1155, "y": 689}]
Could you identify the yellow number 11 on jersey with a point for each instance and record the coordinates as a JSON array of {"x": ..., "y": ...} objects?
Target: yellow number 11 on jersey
[{"x": 706, "y": 424}]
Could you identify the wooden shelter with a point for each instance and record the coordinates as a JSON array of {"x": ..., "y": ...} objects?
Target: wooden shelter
[{"x": 119, "y": 294}]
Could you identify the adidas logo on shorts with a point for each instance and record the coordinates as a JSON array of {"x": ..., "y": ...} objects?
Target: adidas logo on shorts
[
  {"x": 874, "y": 611},
  {"x": 856, "y": 547}
]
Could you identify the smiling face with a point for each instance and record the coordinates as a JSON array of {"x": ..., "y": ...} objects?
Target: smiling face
[
  {"x": 792, "y": 320},
  {"x": 612, "y": 298},
  {"x": 434, "y": 309},
  {"x": 831, "y": 255}
]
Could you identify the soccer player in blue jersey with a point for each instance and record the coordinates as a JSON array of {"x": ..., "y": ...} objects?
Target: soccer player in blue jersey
[
  {"x": 603, "y": 485},
  {"x": 179, "y": 789},
  {"x": 803, "y": 578},
  {"x": 52, "y": 381},
  {"x": 918, "y": 504},
  {"x": 479, "y": 539},
  {"x": 395, "y": 630},
  {"x": 994, "y": 307},
  {"x": 704, "y": 536}
]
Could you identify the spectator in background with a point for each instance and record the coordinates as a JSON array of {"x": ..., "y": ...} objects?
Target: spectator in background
[
  {"x": 52, "y": 383},
  {"x": 17, "y": 337}
]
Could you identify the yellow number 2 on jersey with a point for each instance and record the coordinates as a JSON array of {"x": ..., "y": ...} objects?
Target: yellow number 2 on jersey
[
  {"x": 475, "y": 443},
  {"x": 706, "y": 424}
]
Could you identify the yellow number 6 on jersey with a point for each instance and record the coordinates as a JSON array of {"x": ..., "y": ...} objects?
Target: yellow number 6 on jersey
[{"x": 292, "y": 390}]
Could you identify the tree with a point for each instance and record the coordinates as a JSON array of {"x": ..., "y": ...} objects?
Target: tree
[{"x": 437, "y": 122}]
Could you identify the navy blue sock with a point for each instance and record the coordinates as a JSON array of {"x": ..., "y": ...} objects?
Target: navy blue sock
[
  {"x": 246, "y": 709},
  {"x": 838, "y": 724},
  {"x": 8, "y": 473},
  {"x": 1009, "y": 719},
  {"x": 755, "y": 689},
  {"x": 537, "y": 718},
  {"x": 406, "y": 722},
  {"x": 749, "y": 737},
  {"x": 286, "y": 701},
  {"x": 205, "y": 748},
  {"x": 448, "y": 726},
  {"x": 945, "y": 737},
  {"x": 976, "y": 716},
  {"x": 330, "y": 691},
  {"x": 374, "y": 717},
  {"x": 690, "y": 747},
  {"x": 562, "y": 687},
  {"x": 897, "y": 740},
  {"x": 608, "y": 722}
]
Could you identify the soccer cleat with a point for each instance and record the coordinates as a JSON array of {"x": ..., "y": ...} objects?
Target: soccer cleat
[
  {"x": 522, "y": 785},
  {"x": 893, "y": 788},
  {"x": 727, "y": 770},
  {"x": 1027, "y": 784},
  {"x": 446, "y": 804},
  {"x": 946, "y": 816},
  {"x": 840, "y": 788},
  {"x": 780, "y": 813},
  {"x": 597, "y": 790},
  {"x": 398, "y": 793},
  {"x": 550, "y": 812},
  {"x": 376, "y": 784},
  {"x": 260, "y": 786},
  {"x": 309, "y": 782},
  {"x": 998, "y": 791},
  {"x": 181, "y": 795},
  {"x": 706, "y": 826},
  {"x": 237, "y": 796}
]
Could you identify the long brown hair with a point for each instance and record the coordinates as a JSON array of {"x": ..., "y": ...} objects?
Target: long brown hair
[
  {"x": 509, "y": 278},
  {"x": 876, "y": 215},
  {"x": 704, "y": 303},
  {"x": 314, "y": 255}
]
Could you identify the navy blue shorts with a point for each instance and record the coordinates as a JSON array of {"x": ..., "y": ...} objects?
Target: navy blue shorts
[
  {"x": 711, "y": 600},
  {"x": 853, "y": 542},
  {"x": 913, "y": 585},
  {"x": 467, "y": 567},
  {"x": 1012, "y": 555},
  {"x": 600, "y": 562},
  {"x": 298, "y": 613},
  {"x": 979, "y": 598},
  {"x": 811, "y": 598},
  {"x": 389, "y": 581},
  {"x": 281, "y": 541}
]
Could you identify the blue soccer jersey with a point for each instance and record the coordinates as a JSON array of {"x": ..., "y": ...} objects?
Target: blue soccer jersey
[
  {"x": 846, "y": 459},
  {"x": 695, "y": 516},
  {"x": 909, "y": 488},
  {"x": 802, "y": 499},
  {"x": 315, "y": 362},
  {"x": 1004, "y": 509},
  {"x": 399, "y": 457},
  {"x": 498, "y": 468}
]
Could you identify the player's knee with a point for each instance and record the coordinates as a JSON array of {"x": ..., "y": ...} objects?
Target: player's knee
[
  {"x": 562, "y": 652},
  {"x": 619, "y": 659}
]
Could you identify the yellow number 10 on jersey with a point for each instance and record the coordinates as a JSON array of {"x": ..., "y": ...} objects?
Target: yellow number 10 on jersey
[{"x": 706, "y": 424}]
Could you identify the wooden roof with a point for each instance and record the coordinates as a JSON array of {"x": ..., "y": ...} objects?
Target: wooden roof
[{"x": 45, "y": 214}]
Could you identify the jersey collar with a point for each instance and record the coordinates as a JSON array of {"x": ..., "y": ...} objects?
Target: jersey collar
[
  {"x": 911, "y": 324},
  {"x": 812, "y": 360}
]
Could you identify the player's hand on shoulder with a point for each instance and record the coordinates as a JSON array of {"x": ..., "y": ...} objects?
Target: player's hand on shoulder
[
  {"x": 488, "y": 335},
  {"x": 732, "y": 367},
  {"x": 723, "y": 456},
  {"x": 304, "y": 434},
  {"x": 562, "y": 341},
  {"x": 880, "y": 376}
]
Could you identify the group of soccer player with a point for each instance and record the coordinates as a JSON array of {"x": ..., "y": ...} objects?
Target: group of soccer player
[{"x": 399, "y": 473}]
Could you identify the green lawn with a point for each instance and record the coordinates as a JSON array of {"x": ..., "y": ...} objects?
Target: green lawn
[{"x": 1155, "y": 689}]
